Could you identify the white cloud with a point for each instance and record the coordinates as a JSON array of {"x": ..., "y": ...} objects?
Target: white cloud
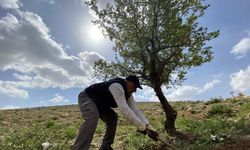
[
  {"x": 9, "y": 107},
  {"x": 10, "y": 4},
  {"x": 210, "y": 85},
  {"x": 11, "y": 89},
  {"x": 90, "y": 57},
  {"x": 52, "y": 2},
  {"x": 188, "y": 92},
  {"x": 240, "y": 80},
  {"x": 147, "y": 94},
  {"x": 28, "y": 48},
  {"x": 22, "y": 77},
  {"x": 58, "y": 99},
  {"x": 241, "y": 48},
  {"x": 185, "y": 92},
  {"x": 27, "y": 41}
]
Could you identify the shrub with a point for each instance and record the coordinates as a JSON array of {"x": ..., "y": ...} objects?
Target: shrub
[
  {"x": 220, "y": 110},
  {"x": 214, "y": 100},
  {"x": 50, "y": 123},
  {"x": 246, "y": 106},
  {"x": 70, "y": 133}
]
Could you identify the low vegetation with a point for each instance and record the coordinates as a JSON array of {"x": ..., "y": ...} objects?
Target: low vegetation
[{"x": 223, "y": 124}]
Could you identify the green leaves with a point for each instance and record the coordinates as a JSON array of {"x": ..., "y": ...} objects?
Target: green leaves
[
  {"x": 154, "y": 36},
  {"x": 220, "y": 109}
]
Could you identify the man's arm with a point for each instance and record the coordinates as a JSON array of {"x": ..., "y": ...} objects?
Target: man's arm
[
  {"x": 136, "y": 110},
  {"x": 152, "y": 132},
  {"x": 119, "y": 96}
]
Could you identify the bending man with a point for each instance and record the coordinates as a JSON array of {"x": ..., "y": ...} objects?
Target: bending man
[{"x": 97, "y": 101}]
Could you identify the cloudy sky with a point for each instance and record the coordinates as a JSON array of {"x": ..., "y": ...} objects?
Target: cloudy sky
[{"x": 48, "y": 48}]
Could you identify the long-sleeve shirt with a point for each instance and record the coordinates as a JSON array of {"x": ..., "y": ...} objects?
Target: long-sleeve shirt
[{"x": 128, "y": 108}]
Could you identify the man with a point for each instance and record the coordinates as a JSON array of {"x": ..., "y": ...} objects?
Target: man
[{"x": 98, "y": 100}]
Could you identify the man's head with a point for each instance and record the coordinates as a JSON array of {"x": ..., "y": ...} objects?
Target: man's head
[{"x": 132, "y": 83}]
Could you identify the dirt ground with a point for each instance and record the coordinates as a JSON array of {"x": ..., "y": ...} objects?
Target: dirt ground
[
  {"x": 13, "y": 120},
  {"x": 242, "y": 144}
]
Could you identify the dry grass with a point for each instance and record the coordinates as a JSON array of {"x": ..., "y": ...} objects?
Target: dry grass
[{"x": 29, "y": 128}]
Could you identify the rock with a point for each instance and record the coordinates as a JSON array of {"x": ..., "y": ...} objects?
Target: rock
[
  {"x": 191, "y": 110},
  {"x": 64, "y": 115},
  {"x": 46, "y": 145},
  {"x": 216, "y": 138},
  {"x": 2, "y": 137},
  {"x": 4, "y": 123},
  {"x": 221, "y": 139},
  {"x": 213, "y": 137},
  {"x": 248, "y": 116},
  {"x": 247, "y": 136},
  {"x": 225, "y": 135}
]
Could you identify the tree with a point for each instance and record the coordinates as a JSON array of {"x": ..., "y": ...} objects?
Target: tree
[{"x": 157, "y": 40}]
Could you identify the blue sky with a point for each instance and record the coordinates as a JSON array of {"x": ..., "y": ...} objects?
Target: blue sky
[{"x": 48, "y": 48}]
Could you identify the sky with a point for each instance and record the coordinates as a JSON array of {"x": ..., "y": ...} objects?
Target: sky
[{"x": 48, "y": 48}]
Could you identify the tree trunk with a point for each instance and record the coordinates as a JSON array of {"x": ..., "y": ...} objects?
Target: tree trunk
[{"x": 170, "y": 113}]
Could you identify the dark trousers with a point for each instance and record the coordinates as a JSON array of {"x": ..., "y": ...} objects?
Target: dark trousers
[{"x": 91, "y": 115}]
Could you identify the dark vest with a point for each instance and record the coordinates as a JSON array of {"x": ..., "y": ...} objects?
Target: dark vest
[{"x": 101, "y": 95}]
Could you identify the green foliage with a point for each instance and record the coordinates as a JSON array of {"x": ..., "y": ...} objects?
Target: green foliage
[
  {"x": 25, "y": 139},
  {"x": 203, "y": 129},
  {"x": 70, "y": 133},
  {"x": 245, "y": 109},
  {"x": 135, "y": 141},
  {"x": 246, "y": 106},
  {"x": 220, "y": 109},
  {"x": 214, "y": 100},
  {"x": 156, "y": 40},
  {"x": 61, "y": 134},
  {"x": 32, "y": 138},
  {"x": 16, "y": 120},
  {"x": 50, "y": 123},
  {"x": 153, "y": 39}
]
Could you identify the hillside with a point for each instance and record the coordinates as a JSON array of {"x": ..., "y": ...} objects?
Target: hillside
[{"x": 217, "y": 124}]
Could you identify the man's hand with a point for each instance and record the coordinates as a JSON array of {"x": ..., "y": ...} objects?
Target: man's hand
[
  {"x": 142, "y": 129},
  {"x": 149, "y": 127},
  {"x": 152, "y": 132}
]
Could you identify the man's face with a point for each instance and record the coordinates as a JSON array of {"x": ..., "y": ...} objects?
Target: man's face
[{"x": 131, "y": 87}]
